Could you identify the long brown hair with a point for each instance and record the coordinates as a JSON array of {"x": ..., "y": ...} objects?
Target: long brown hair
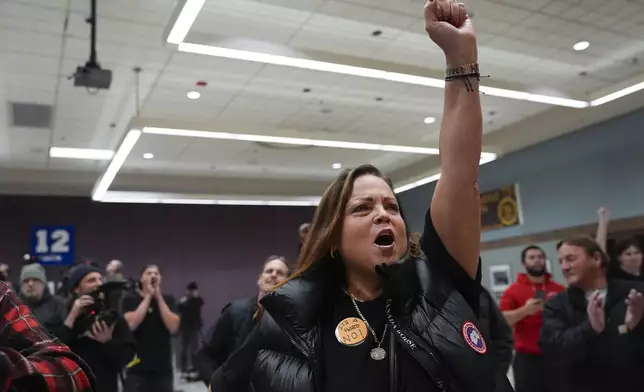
[{"x": 326, "y": 228}]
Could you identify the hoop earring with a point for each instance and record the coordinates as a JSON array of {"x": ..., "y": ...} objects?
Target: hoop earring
[{"x": 332, "y": 252}]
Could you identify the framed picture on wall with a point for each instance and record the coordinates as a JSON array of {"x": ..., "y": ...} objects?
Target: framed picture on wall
[{"x": 500, "y": 277}]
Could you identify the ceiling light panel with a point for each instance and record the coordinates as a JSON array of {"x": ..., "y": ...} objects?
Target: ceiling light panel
[
  {"x": 193, "y": 199},
  {"x": 315, "y": 65},
  {"x": 191, "y": 9},
  {"x": 290, "y": 140},
  {"x": 113, "y": 168},
  {"x": 185, "y": 19},
  {"x": 80, "y": 153}
]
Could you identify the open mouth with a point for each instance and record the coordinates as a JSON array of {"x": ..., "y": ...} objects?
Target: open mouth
[{"x": 385, "y": 239}]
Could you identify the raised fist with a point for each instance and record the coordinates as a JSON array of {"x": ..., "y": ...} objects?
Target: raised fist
[{"x": 448, "y": 25}]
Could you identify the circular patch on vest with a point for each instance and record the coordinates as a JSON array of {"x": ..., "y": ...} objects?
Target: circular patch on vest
[{"x": 473, "y": 338}]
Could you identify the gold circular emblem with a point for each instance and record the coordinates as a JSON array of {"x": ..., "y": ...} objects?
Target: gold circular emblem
[
  {"x": 508, "y": 211},
  {"x": 351, "y": 332}
]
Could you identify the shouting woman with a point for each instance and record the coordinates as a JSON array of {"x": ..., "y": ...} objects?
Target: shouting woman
[{"x": 372, "y": 307}]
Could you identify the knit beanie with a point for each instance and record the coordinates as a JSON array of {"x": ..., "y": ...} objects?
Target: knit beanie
[
  {"x": 79, "y": 272},
  {"x": 33, "y": 271}
]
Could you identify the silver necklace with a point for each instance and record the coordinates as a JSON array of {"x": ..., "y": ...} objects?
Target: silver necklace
[{"x": 378, "y": 353}]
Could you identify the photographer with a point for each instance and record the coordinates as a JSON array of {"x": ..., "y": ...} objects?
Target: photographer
[{"x": 95, "y": 332}]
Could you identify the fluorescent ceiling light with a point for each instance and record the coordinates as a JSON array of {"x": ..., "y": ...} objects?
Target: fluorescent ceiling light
[
  {"x": 581, "y": 45},
  {"x": 486, "y": 157},
  {"x": 416, "y": 184},
  {"x": 337, "y": 166},
  {"x": 184, "y": 22},
  {"x": 522, "y": 96},
  {"x": 290, "y": 140},
  {"x": 148, "y": 155},
  {"x": 151, "y": 198},
  {"x": 124, "y": 150},
  {"x": 365, "y": 72},
  {"x": 101, "y": 193},
  {"x": 194, "y": 95},
  {"x": 429, "y": 120},
  {"x": 81, "y": 153},
  {"x": 192, "y": 8},
  {"x": 617, "y": 94}
]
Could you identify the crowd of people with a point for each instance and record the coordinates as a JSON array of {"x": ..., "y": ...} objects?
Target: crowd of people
[
  {"x": 586, "y": 336},
  {"x": 370, "y": 306}
]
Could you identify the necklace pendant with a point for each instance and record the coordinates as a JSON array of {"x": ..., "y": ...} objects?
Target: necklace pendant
[{"x": 378, "y": 354}]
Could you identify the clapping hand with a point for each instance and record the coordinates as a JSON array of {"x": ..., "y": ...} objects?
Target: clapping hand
[
  {"x": 448, "y": 25},
  {"x": 101, "y": 332},
  {"x": 595, "y": 311},
  {"x": 634, "y": 309},
  {"x": 156, "y": 286}
]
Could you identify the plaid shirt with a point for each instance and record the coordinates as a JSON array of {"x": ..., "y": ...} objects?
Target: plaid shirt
[{"x": 30, "y": 360}]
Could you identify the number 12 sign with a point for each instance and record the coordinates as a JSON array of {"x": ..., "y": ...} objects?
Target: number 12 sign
[{"x": 53, "y": 245}]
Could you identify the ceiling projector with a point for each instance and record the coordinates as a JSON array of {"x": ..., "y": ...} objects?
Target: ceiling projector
[{"x": 92, "y": 76}]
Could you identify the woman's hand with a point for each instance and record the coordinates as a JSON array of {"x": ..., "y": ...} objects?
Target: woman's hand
[{"x": 448, "y": 25}]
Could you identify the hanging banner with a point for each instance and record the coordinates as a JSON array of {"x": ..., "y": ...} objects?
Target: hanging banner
[
  {"x": 500, "y": 208},
  {"x": 53, "y": 245}
]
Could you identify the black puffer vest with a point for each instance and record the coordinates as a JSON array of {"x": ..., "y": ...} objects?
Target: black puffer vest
[{"x": 428, "y": 318}]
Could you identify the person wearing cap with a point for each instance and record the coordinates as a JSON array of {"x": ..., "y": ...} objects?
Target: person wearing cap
[
  {"x": 48, "y": 309},
  {"x": 106, "y": 346}
]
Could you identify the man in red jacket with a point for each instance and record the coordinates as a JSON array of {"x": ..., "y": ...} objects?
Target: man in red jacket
[
  {"x": 30, "y": 359},
  {"x": 521, "y": 304}
]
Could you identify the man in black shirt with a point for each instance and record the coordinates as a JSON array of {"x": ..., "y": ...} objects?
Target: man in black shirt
[
  {"x": 236, "y": 321},
  {"x": 190, "y": 310},
  {"x": 107, "y": 346},
  {"x": 151, "y": 315}
]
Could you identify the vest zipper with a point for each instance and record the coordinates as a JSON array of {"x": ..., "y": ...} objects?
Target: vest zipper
[
  {"x": 413, "y": 345},
  {"x": 308, "y": 355}
]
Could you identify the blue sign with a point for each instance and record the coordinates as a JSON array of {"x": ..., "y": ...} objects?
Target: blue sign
[{"x": 53, "y": 245}]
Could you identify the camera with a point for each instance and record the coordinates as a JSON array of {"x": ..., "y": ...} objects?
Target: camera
[{"x": 105, "y": 307}]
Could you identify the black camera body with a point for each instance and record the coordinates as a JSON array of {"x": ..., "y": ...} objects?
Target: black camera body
[{"x": 105, "y": 307}]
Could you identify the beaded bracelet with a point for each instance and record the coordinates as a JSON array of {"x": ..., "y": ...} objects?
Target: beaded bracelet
[{"x": 464, "y": 72}]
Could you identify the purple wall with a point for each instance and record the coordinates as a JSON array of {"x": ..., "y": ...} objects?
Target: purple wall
[{"x": 220, "y": 247}]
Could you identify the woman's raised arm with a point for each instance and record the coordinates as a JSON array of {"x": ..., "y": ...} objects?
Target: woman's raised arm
[{"x": 455, "y": 207}]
